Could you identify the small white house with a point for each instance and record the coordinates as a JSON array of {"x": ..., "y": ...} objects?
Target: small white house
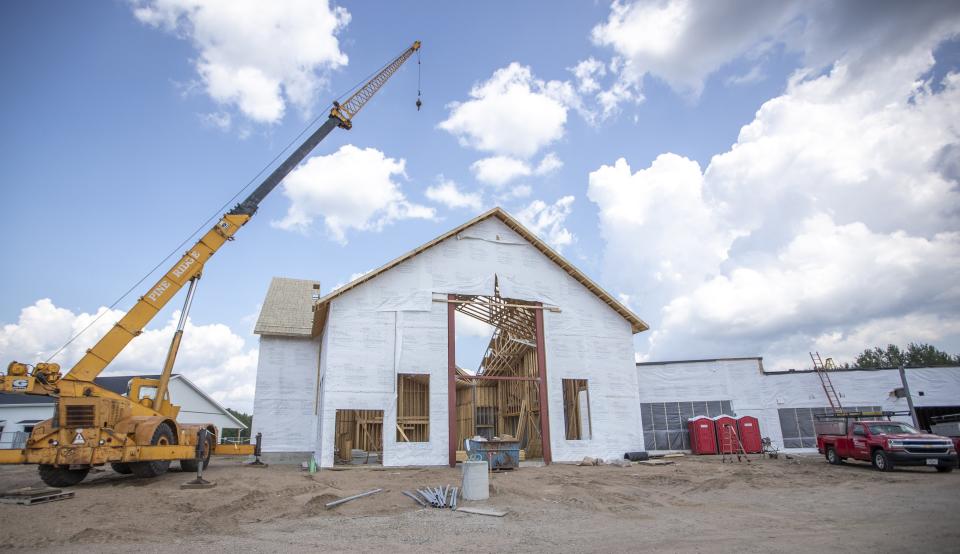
[
  {"x": 20, "y": 412},
  {"x": 369, "y": 373}
]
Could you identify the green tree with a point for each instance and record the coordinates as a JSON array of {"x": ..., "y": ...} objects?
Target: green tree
[
  {"x": 236, "y": 434},
  {"x": 915, "y": 355}
]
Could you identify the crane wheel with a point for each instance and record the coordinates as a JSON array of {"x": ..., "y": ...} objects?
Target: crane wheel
[
  {"x": 121, "y": 468},
  {"x": 191, "y": 465},
  {"x": 60, "y": 476},
  {"x": 162, "y": 436}
]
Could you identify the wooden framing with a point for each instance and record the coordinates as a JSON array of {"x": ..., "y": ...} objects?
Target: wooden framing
[
  {"x": 572, "y": 417},
  {"x": 358, "y": 429},
  {"x": 413, "y": 407}
]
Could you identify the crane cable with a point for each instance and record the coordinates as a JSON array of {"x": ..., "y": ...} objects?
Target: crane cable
[{"x": 220, "y": 210}]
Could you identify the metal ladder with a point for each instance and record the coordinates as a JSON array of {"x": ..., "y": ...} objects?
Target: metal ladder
[
  {"x": 822, "y": 371},
  {"x": 732, "y": 446}
]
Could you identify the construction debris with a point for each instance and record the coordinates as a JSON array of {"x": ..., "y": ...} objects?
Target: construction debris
[
  {"x": 482, "y": 512},
  {"x": 588, "y": 461},
  {"x": 655, "y": 462},
  {"x": 30, "y": 496},
  {"x": 439, "y": 497},
  {"x": 336, "y": 503}
]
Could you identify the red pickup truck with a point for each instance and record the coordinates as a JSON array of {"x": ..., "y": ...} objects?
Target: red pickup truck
[{"x": 886, "y": 444}]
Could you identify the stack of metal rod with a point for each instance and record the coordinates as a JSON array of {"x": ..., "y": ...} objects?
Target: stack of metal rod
[{"x": 438, "y": 497}]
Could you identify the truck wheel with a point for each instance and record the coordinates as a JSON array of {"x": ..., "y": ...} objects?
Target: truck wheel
[
  {"x": 191, "y": 465},
  {"x": 123, "y": 469},
  {"x": 60, "y": 476},
  {"x": 944, "y": 469},
  {"x": 162, "y": 436},
  {"x": 832, "y": 457},
  {"x": 881, "y": 461}
]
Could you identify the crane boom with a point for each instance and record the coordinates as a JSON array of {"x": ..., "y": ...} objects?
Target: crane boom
[{"x": 191, "y": 264}]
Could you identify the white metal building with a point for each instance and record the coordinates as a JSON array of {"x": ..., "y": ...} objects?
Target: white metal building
[
  {"x": 783, "y": 402},
  {"x": 388, "y": 338},
  {"x": 20, "y": 412}
]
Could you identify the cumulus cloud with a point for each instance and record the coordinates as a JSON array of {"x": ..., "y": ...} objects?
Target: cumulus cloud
[
  {"x": 447, "y": 192},
  {"x": 683, "y": 42},
  {"x": 212, "y": 356},
  {"x": 547, "y": 221},
  {"x": 352, "y": 188},
  {"x": 511, "y": 114},
  {"x": 256, "y": 56},
  {"x": 500, "y": 170},
  {"x": 831, "y": 224}
]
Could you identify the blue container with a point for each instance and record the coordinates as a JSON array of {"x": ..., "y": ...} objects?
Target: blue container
[{"x": 500, "y": 454}]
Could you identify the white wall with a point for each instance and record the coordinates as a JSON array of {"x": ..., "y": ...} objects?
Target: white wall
[
  {"x": 391, "y": 325},
  {"x": 194, "y": 408},
  {"x": 11, "y": 414},
  {"x": 754, "y": 393},
  {"x": 284, "y": 405}
]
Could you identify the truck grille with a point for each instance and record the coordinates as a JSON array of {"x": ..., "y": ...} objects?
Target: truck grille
[
  {"x": 80, "y": 416},
  {"x": 920, "y": 446}
]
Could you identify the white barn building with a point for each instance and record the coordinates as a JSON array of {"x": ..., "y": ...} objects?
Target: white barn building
[{"x": 369, "y": 369}]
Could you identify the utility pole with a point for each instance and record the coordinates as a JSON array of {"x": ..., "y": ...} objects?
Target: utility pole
[{"x": 906, "y": 391}]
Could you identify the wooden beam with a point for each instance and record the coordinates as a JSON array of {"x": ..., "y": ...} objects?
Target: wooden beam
[
  {"x": 452, "y": 382},
  {"x": 544, "y": 409}
]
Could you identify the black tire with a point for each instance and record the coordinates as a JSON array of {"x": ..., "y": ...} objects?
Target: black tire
[
  {"x": 881, "y": 461},
  {"x": 832, "y": 456},
  {"x": 60, "y": 476},
  {"x": 191, "y": 465},
  {"x": 944, "y": 469},
  {"x": 121, "y": 468},
  {"x": 161, "y": 436}
]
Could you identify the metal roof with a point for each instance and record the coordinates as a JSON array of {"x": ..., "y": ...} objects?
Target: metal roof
[
  {"x": 636, "y": 324},
  {"x": 288, "y": 308}
]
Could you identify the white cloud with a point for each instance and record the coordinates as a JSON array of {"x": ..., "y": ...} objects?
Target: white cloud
[
  {"x": 684, "y": 42},
  {"x": 500, "y": 170},
  {"x": 830, "y": 224},
  {"x": 547, "y": 221},
  {"x": 211, "y": 356},
  {"x": 511, "y": 114},
  {"x": 447, "y": 193},
  {"x": 467, "y": 326},
  {"x": 352, "y": 188},
  {"x": 587, "y": 71},
  {"x": 256, "y": 56}
]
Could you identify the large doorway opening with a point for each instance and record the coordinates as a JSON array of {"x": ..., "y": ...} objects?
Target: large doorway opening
[{"x": 504, "y": 395}]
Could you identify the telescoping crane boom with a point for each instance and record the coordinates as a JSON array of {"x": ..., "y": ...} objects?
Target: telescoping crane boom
[{"x": 138, "y": 432}]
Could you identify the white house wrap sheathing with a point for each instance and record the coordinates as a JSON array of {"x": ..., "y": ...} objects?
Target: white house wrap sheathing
[
  {"x": 759, "y": 394},
  {"x": 285, "y": 398},
  {"x": 397, "y": 323}
]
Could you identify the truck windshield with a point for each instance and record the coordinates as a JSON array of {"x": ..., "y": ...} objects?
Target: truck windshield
[{"x": 891, "y": 428}]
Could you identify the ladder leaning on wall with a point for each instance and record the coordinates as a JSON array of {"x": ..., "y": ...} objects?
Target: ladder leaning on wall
[{"x": 822, "y": 370}]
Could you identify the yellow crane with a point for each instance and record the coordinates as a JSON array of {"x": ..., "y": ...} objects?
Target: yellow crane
[{"x": 138, "y": 432}]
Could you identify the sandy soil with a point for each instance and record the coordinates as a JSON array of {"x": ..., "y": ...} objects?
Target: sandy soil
[{"x": 695, "y": 505}]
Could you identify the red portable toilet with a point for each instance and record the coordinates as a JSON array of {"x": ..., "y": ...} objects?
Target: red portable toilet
[
  {"x": 726, "y": 434},
  {"x": 703, "y": 435},
  {"x": 749, "y": 429}
]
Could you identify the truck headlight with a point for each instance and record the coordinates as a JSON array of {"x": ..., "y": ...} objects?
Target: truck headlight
[{"x": 893, "y": 443}]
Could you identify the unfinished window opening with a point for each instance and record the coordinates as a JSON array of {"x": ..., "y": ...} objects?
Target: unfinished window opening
[
  {"x": 576, "y": 410},
  {"x": 413, "y": 408},
  {"x": 358, "y": 439},
  {"x": 498, "y": 396}
]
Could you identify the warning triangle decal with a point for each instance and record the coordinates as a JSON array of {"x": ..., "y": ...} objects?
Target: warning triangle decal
[{"x": 79, "y": 438}]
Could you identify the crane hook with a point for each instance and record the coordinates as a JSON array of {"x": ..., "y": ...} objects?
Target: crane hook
[{"x": 419, "y": 103}]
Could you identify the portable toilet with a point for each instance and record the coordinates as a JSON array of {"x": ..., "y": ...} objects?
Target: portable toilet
[
  {"x": 749, "y": 429},
  {"x": 726, "y": 434},
  {"x": 703, "y": 435}
]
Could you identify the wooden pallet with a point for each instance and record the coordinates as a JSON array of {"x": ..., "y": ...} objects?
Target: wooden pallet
[{"x": 29, "y": 497}]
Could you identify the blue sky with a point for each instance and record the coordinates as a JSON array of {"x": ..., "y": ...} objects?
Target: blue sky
[{"x": 788, "y": 183}]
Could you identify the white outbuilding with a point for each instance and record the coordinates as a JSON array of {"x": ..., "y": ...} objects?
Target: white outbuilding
[{"x": 369, "y": 371}]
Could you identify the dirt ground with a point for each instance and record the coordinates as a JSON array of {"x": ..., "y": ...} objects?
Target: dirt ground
[{"x": 697, "y": 504}]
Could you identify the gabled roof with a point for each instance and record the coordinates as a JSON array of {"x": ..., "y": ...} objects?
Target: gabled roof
[
  {"x": 636, "y": 324},
  {"x": 288, "y": 308},
  {"x": 117, "y": 384}
]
